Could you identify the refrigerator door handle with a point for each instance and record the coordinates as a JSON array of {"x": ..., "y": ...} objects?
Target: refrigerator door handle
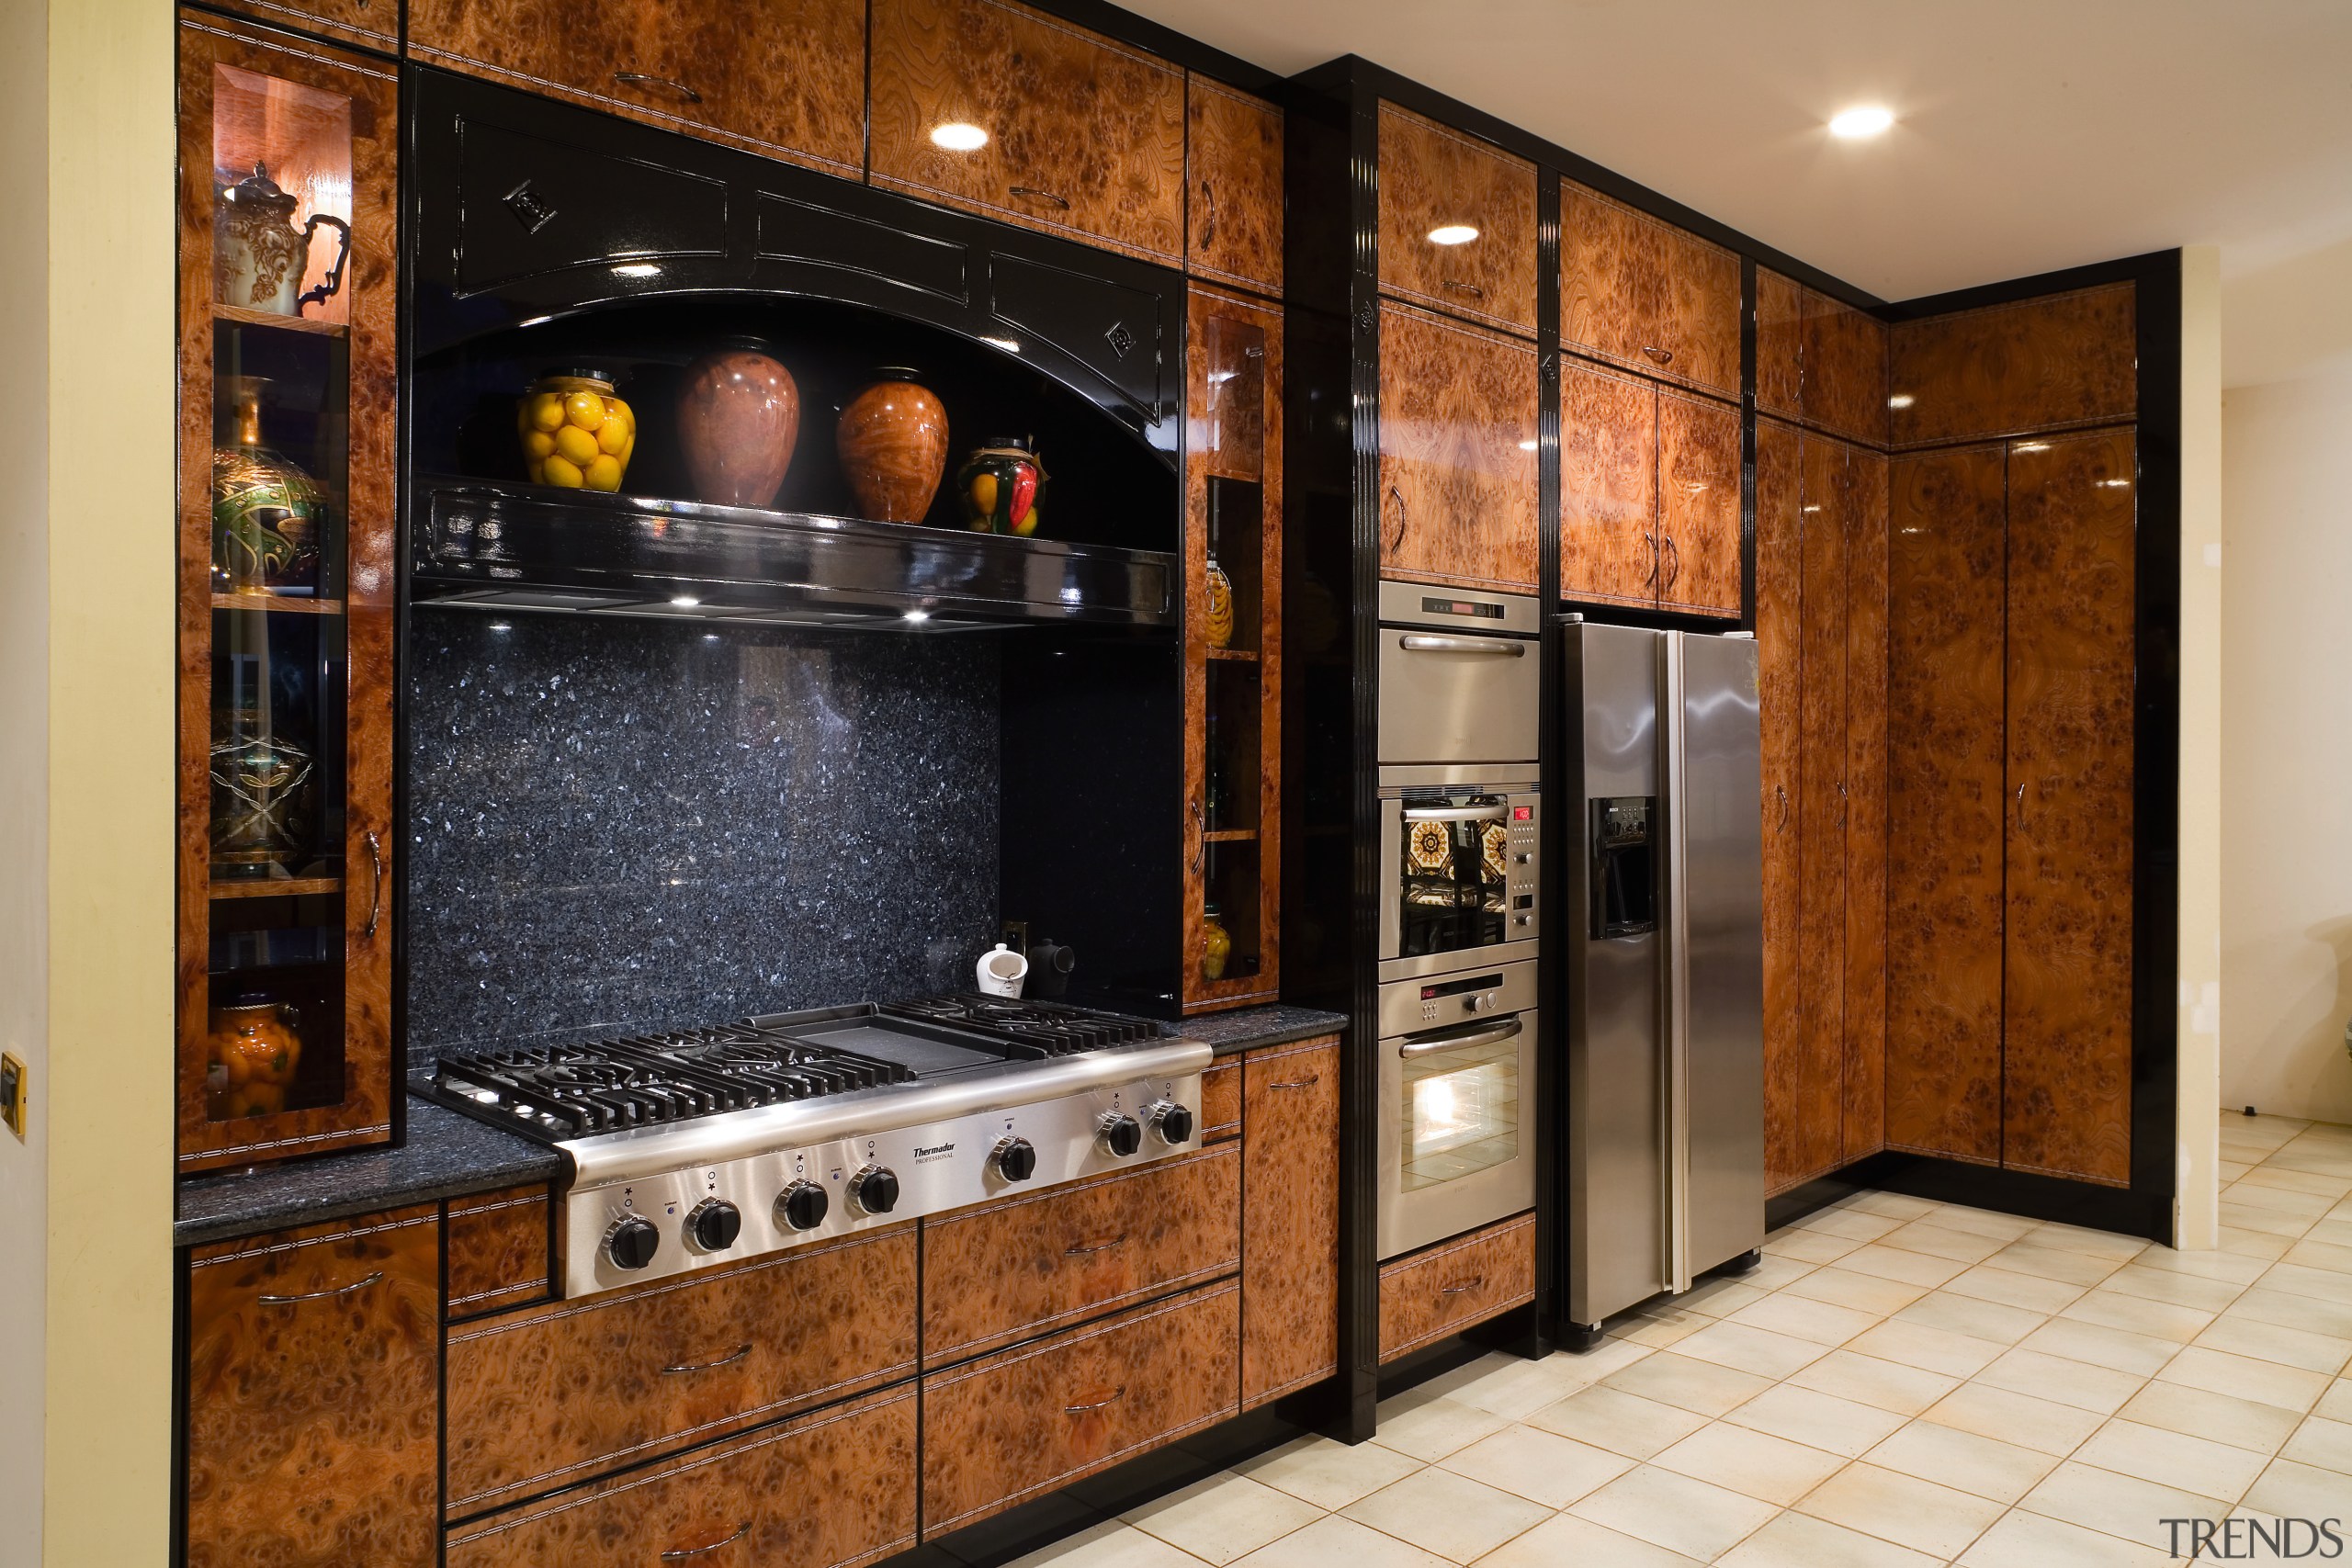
[{"x": 1676, "y": 1004}]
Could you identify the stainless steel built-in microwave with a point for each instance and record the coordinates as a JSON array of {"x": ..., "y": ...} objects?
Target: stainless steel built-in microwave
[{"x": 1461, "y": 868}]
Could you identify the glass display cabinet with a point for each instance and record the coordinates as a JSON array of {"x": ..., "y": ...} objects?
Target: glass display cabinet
[{"x": 287, "y": 596}]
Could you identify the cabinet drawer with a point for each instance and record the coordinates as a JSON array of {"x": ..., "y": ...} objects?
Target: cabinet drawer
[
  {"x": 1433, "y": 181},
  {"x": 782, "y": 77},
  {"x": 1221, "y": 1103},
  {"x": 1233, "y": 209},
  {"x": 1005, "y": 1428},
  {"x": 1032, "y": 1264},
  {"x": 312, "y": 1372},
  {"x": 500, "y": 1250},
  {"x": 1458, "y": 468},
  {"x": 1085, "y": 137},
  {"x": 1445, "y": 1289},
  {"x": 835, "y": 1489},
  {"x": 1646, "y": 294},
  {"x": 540, "y": 1400}
]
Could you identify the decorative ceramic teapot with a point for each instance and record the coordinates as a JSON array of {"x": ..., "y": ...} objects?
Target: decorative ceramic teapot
[{"x": 259, "y": 256}]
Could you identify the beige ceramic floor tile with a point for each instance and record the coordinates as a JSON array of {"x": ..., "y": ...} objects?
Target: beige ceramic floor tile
[
  {"x": 1895, "y": 1205},
  {"x": 2118, "y": 1349},
  {"x": 1108, "y": 1545},
  {"x": 2337, "y": 1402},
  {"x": 2019, "y": 1418},
  {"x": 1657, "y": 1331},
  {"x": 1939, "y": 1240},
  {"x": 1819, "y": 1420},
  {"x": 2322, "y": 1442},
  {"x": 1674, "y": 1511},
  {"x": 2322, "y": 1284},
  {"x": 1757, "y": 1350},
  {"x": 2288, "y": 1178},
  {"x": 1431, "y": 1429},
  {"x": 1937, "y": 1349},
  {"x": 2065, "y": 1382},
  {"x": 2220, "y": 1371},
  {"x": 1690, "y": 1382},
  {"x": 2224, "y": 1419},
  {"x": 1518, "y": 1387},
  {"x": 2022, "y": 1540},
  {"x": 1565, "y": 1540},
  {"x": 1902, "y": 1508},
  {"x": 2122, "y": 1506},
  {"x": 2280, "y": 1200},
  {"x": 1327, "y": 1473},
  {"x": 2143, "y": 1283},
  {"x": 1985, "y": 1467},
  {"x": 1852, "y": 1225},
  {"x": 1770, "y": 1274},
  {"x": 1541, "y": 1466},
  {"x": 1224, "y": 1518},
  {"x": 1808, "y": 1246},
  {"x": 1440, "y": 1511},
  {"x": 2110, "y": 1308},
  {"x": 1982, "y": 1221},
  {"x": 1865, "y": 1292},
  {"x": 1890, "y": 1385},
  {"x": 2270, "y": 1342},
  {"x": 1333, "y": 1539},
  {"x": 2031, "y": 1291},
  {"x": 1721, "y": 1298},
  {"x": 2291, "y": 1311},
  {"x": 2091, "y": 1243},
  {"x": 2283, "y": 1228},
  {"x": 2230, "y": 1267},
  {"x": 1800, "y": 1540},
  {"x": 2181, "y": 1459},
  {"x": 1972, "y": 1316},
  {"x": 1823, "y": 1323},
  {"x": 1892, "y": 1263},
  {"x": 1622, "y": 1423},
  {"x": 1756, "y": 1464},
  {"x": 2254, "y": 1243},
  {"x": 2053, "y": 1263},
  {"x": 2296, "y": 1491}
]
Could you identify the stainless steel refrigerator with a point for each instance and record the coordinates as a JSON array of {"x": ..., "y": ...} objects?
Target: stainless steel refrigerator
[{"x": 1664, "y": 968}]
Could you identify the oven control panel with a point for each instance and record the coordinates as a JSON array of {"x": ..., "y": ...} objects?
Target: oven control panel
[{"x": 1521, "y": 877}]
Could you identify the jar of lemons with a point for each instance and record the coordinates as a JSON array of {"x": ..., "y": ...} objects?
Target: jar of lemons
[{"x": 575, "y": 433}]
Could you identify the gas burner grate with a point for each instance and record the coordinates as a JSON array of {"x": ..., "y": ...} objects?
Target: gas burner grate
[{"x": 1035, "y": 1029}]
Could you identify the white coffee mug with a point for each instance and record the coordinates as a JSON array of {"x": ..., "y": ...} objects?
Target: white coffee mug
[{"x": 1002, "y": 970}]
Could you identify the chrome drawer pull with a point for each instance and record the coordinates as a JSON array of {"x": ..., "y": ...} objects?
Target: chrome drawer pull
[
  {"x": 1085, "y": 1250},
  {"x": 1470, "y": 288},
  {"x": 1098, "y": 1404},
  {"x": 728, "y": 1359},
  {"x": 1308, "y": 1082},
  {"x": 1041, "y": 195},
  {"x": 1660, "y": 356},
  {"x": 639, "y": 79},
  {"x": 1463, "y": 1289},
  {"x": 680, "y": 1553},
  {"x": 351, "y": 1290}
]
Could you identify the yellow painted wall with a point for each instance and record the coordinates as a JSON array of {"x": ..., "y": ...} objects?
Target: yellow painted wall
[
  {"x": 2197, "y": 1217},
  {"x": 107, "y": 1111}
]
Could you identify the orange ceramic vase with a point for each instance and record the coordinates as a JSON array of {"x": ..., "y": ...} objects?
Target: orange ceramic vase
[
  {"x": 892, "y": 440},
  {"x": 252, "y": 1052}
]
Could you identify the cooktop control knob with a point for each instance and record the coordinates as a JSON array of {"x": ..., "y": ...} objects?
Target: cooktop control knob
[
  {"x": 1172, "y": 1122},
  {"x": 802, "y": 1206},
  {"x": 632, "y": 1242},
  {"x": 714, "y": 1225},
  {"x": 1123, "y": 1135},
  {"x": 875, "y": 1189},
  {"x": 1016, "y": 1158}
]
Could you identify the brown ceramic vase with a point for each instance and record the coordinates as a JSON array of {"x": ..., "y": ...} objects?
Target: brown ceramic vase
[
  {"x": 892, "y": 440},
  {"x": 738, "y": 418}
]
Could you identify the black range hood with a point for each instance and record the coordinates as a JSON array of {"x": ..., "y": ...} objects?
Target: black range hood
[{"x": 523, "y": 547}]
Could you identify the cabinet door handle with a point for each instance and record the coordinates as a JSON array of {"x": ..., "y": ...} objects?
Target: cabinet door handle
[
  {"x": 1309, "y": 1081},
  {"x": 1039, "y": 195},
  {"x": 683, "y": 1553},
  {"x": 1782, "y": 825},
  {"x": 1200, "y": 836},
  {"x": 1208, "y": 223},
  {"x": 376, "y": 886},
  {"x": 1466, "y": 1286},
  {"x": 1649, "y": 542},
  {"x": 682, "y": 92},
  {"x": 2020, "y": 806},
  {"x": 1099, "y": 1404},
  {"x": 1841, "y": 802},
  {"x": 1398, "y": 497},
  {"x": 1658, "y": 356},
  {"x": 1087, "y": 1249},
  {"x": 728, "y": 1359},
  {"x": 1472, "y": 289},
  {"x": 353, "y": 1289},
  {"x": 1673, "y": 561}
]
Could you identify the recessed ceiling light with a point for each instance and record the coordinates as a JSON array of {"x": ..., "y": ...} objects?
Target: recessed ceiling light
[
  {"x": 1452, "y": 234},
  {"x": 958, "y": 136},
  {"x": 1900, "y": 401},
  {"x": 1855, "y": 123}
]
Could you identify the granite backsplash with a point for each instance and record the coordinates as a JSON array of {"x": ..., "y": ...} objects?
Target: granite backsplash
[{"x": 626, "y": 825}]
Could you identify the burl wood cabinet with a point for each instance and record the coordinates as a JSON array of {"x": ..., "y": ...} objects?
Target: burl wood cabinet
[
  {"x": 783, "y": 78},
  {"x": 1075, "y": 134},
  {"x": 1458, "y": 465},
  {"x": 1650, "y": 494},
  {"x": 2012, "y": 674},
  {"x": 367, "y": 24},
  {"x": 287, "y": 583},
  {"x": 1448, "y": 1287},
  {"x": 1822, "y": 631},
  {"x": 313, "y": 1396},
  {"x": 2058, "y": 362},
  {"x": 1642, "y": 293},
  {"x": 1233, "y": 209},
  {"x": 1820, "y": 361},
  {"x": 1457, "y": 223},
  {"x": 1290, "y": 1246}
]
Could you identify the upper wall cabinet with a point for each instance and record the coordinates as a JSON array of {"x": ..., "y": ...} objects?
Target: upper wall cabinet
[
  {"x": 785, "y": 78},
  {"x": 1843, "y": 355},
  {"x": 1458, "y": 468},
  {"x": 2065, "y": 360},
  {"x": 1780, "y": 357},
  {"x": 1457, "y": 223},
  {"x": 1645, "y": 294},
  {"x": 996, "y": 108},
  {"x": 371, "y": 24},
  {"x": 1233, "y": 217}
]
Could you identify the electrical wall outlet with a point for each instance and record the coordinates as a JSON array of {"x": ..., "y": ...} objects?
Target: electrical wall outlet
[{"x": 12, "y": 1094}]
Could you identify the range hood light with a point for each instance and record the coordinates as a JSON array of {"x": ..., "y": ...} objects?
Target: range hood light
[
  {"x": 636, "y": 269},
  {"x": 685, "y": 602},
  {"x": 917, "y": 617}
]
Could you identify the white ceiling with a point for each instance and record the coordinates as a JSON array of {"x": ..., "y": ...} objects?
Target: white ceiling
[{"x": 2030, "y": 135}]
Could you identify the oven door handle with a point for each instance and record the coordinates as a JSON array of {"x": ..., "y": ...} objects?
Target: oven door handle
[
  {"x": 1423, "y": 642},
  {"x": 1483, "y": 1034},
  {"x": 1455, "y": 812}
]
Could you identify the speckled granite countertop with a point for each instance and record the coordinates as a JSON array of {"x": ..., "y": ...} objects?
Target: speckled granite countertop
[
  {"x": 446, "y": 1154},
  {"x": 1274, "y": 1024}
]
